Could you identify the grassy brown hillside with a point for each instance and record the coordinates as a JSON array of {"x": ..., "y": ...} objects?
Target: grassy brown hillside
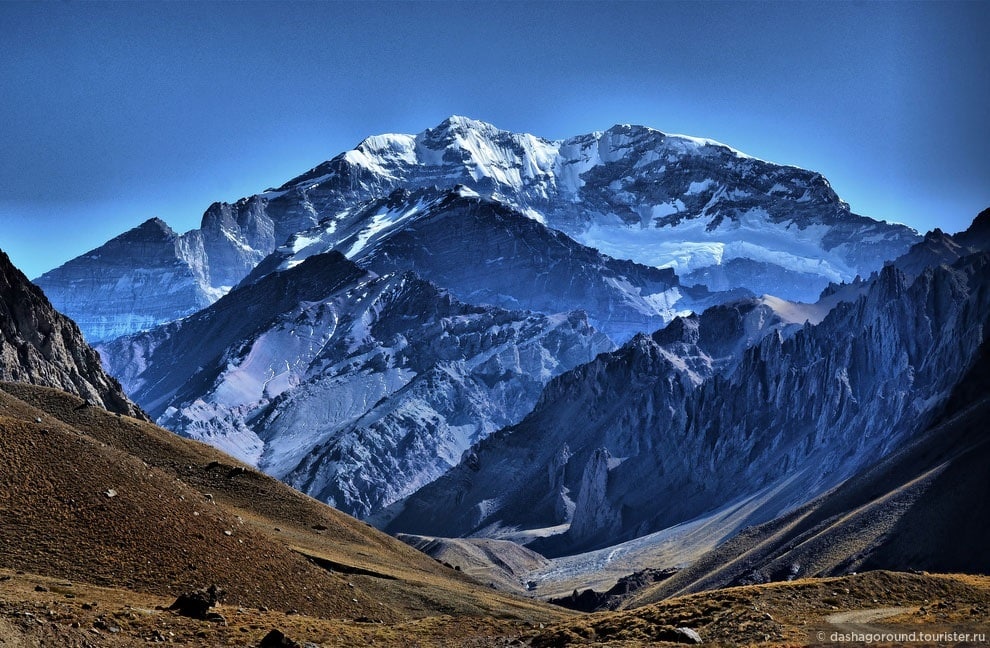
[
  {"x": 792, "y": 613},
  {"x": 98, "y": 499}
]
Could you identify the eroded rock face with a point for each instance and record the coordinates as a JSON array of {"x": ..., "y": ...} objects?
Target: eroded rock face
[
  {"x": 39, "y": 345},
  {"x": 593, "y": 512},
  {"x": 354, "y": 387},
  {"x": 800, "y": 409}
]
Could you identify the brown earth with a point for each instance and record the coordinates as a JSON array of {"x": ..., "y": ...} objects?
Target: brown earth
[
  {"x": 789, "y": 613},
  {"x": 97, "y": 499}
]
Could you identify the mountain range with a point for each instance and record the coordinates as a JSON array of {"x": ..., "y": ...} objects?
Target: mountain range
[
  {"x": 624, "y": 351},
  {"x": 709, "y": 213},
  {"x": 571, "y": 344},
  {"x": 603, "y": 236}
]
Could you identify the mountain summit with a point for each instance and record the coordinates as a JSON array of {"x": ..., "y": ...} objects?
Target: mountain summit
[{"x": 702, "y": 209}]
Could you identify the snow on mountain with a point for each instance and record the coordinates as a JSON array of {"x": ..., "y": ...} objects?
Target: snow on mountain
[
  {"x": 711, "y": 214},
  {"x": 487, "y": 253},
  {"x": 353, "y": 386},
  {"x": 658, "y": 433},
  {"x": 685, "y": 203}
]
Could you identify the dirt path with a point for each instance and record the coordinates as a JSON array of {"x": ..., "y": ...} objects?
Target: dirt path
[{"x": 865, "y": 616}]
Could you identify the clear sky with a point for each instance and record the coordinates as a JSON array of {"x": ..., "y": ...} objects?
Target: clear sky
[{"x": 113, "y": 113}]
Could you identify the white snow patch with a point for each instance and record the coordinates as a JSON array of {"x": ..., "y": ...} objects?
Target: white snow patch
[
  {"x": 379, "y": 224},
  {"x": 698, "y": 187},
  {"x": 699, "y": 142},
  {"x": 689, "y": 245}
]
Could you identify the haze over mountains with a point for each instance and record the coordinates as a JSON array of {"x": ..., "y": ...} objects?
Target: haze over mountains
[{"x": 574, "y": 344}]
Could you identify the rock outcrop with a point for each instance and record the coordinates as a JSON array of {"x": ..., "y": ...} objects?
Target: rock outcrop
[{"x": 39, "y": 345}]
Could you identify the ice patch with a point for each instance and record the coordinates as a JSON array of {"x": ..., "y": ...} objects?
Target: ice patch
[
  {"x": 690, "y": 246},
  {"x": 698, "y": 187}
]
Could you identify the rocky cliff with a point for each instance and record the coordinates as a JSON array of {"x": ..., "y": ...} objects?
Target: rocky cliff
[
  {"x": 804, "y": 408},
  {"x": 40, "y": 346}
]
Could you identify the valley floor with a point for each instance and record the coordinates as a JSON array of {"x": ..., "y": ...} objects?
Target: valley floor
[
  {"x": 41, "y": 611},
  {"x": 36, "y": 611}
]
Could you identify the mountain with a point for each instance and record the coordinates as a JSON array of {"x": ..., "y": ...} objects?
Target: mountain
[
  {"x": 355, "y": 387},
  {"x": 40, "y": 346},
  {"x": 920, "y": 508},
  {"x": 103, "y": 506},
  {"x": 709, "y": 213},
  {"x": 647, "y": 437},
  {"x": 484, "y": 252}
]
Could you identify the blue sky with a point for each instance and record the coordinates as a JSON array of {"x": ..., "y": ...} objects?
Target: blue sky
[{"x": 114, "y": 113}]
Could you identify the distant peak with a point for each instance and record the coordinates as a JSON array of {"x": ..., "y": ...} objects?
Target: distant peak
[
  {"x": 459, "y": 121},
  {"x": 152, "y": 226},
  {"x": 626, "y": 129},
  {"x": 155, "y": 224},
  {"x": 459, "y": 125}
]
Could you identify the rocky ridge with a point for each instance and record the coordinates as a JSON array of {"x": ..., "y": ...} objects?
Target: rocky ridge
[
  {"x": 804, "y": 408},
  {"x": 40, "y": 346}
]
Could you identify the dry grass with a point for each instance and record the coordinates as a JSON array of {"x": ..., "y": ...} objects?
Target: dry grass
[
  {"x": 71, "y": 613},
  {"x": 784, "y": 614},
  {"x": 182, "y": 516}
]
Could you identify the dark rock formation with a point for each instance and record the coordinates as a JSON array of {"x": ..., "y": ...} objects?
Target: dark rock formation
[
  {"x": 39, "y": 345},
  {"x": 198, "y": 603}
]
